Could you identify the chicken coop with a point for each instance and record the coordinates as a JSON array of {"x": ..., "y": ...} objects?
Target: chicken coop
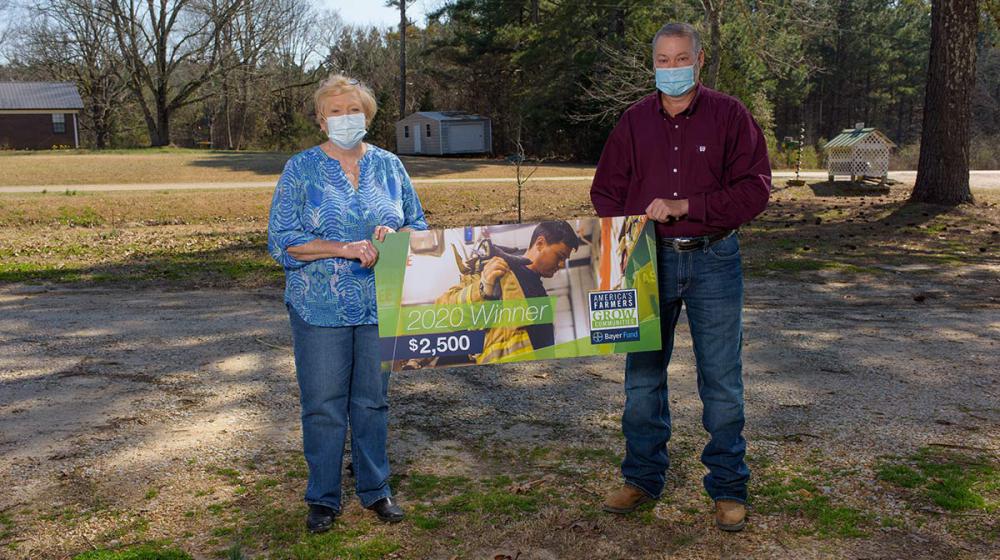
[{"x": 859, "y": 152}]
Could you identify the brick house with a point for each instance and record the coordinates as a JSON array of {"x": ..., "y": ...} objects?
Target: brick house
[{"x": 39, "y": 115}]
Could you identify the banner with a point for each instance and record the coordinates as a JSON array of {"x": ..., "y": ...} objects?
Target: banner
[{"x": 517, "y": 292}]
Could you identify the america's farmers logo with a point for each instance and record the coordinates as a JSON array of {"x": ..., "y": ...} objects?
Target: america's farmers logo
[{"x": 614, "y": 316}]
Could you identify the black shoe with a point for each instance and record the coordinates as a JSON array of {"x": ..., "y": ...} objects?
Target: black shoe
[
  {"x": 320, "y": 518},
  {"x": 387, "y": 510}
]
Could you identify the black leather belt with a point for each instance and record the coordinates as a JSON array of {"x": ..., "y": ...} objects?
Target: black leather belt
[{"x": 683, "y": 244}]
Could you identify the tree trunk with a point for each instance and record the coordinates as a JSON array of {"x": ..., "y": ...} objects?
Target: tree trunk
[
  {"x": 943, "y": 169},
  {"x": 225, "y": 112},
  {"x": 713, "y": 9},
  {"x": 402, "y": 58},
  {"x": 100, "y": 125},
  {"x": 899, "y": 122},
  {"x": 161, "y": 135}
]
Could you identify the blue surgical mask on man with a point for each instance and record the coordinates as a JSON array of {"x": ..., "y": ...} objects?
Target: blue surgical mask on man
[
  {"x": 346, "y": 130},
  {"x": 675, "y": 82}
]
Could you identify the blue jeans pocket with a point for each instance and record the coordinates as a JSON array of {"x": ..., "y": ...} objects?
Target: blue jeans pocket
[{"x": 728, "y": 248}]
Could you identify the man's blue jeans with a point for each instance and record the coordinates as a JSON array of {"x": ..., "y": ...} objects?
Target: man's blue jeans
[
  {"x": 341, "y": 383},
  {"x": 709, "y": 283}
]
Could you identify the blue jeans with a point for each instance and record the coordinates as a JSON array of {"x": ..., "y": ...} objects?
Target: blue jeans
[
  {"x": 709, "y": 282},
  {"x": 341, "y": 383}
]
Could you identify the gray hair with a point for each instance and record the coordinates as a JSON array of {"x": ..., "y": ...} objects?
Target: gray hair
[{"x": 679, "y": 30}]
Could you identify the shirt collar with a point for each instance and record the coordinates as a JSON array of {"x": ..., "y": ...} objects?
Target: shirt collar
[{"x": 691, "y": 106}]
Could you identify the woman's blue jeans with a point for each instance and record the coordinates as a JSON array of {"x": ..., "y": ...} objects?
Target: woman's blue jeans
[
  {"x": 709, "y": 283},
  {"x": 341, "y": 384}
]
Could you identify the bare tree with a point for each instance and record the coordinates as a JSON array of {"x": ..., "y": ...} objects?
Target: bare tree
[
  {"x": 622, "y": 80},
  {"x": 257, "y": 28},
  {"x": 72, "y": 41},
  {"x": 5, "y": 28},
  {"x": 292, "y": 67},
  {"x": 523, "y": 170},
  {"x": 943, "y": 167},
  {"x": 522, "y": 174},
  {"x": 307, "y": 35},
  {"x": 171, "y": 49}
]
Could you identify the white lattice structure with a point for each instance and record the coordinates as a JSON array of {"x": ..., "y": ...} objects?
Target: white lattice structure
[{"x": 860, "y": 153}]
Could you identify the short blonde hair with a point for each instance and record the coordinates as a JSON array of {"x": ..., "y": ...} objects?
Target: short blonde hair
[{"x": 339, "y": 84}]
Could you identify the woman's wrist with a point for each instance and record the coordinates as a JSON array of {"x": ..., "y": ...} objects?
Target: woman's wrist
[{"x": 335, "y": 248}]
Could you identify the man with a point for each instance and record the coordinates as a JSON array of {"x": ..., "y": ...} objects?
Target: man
[
  {"x": 512, "y": 277},
  {"x": 693, "y": 160}
]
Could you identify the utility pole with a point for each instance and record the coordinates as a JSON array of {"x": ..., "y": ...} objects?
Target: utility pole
[{"x": 402, "y": 58}]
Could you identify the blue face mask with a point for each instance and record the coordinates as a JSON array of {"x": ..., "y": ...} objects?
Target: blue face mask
[
  {"x": 675, "y": 82},
  {"x": 346, "y": 130}
]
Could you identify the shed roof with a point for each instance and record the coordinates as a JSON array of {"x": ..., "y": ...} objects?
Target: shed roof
[
  {"x": 39, "y": 95},
  {"x": 851, "y": 136},
  {"x": 451, "y": 116}
]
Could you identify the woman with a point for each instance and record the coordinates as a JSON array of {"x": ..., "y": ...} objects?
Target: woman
[{"x": 330, "y": 201}]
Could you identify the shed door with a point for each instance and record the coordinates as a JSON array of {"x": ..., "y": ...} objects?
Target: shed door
[
  {"x": 466, "y": 137},
  {"x": 416, "y": 132}
]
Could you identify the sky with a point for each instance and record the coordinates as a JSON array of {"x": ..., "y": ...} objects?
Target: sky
[{"x": 367, "y": 12}]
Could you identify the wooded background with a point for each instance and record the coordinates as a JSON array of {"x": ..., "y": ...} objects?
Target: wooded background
[{"x": 239, "y": 74}]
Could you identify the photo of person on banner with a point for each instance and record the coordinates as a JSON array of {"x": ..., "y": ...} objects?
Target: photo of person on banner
[{"x": 502, "y": 274}]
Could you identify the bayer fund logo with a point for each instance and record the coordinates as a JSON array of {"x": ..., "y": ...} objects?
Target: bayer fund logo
[{"x": 614, "y": 316}]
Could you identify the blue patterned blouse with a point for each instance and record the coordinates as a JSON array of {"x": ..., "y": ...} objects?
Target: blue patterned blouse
[{"x": 314, "y": 200}]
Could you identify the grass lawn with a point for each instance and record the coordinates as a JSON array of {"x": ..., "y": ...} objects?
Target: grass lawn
[
  {"x": 254, "y": 510},
  {"x": 175, "y": 165},
  {"x": 218, "y": 238}
]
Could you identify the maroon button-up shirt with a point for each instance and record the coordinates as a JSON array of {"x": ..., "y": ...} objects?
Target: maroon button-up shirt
[{"x": 712, "y": 154}]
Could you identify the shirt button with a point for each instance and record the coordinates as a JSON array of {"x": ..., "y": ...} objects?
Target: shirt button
[
  {"x": 675, "y": 148},
  {"x": 675, "y": 194},
  {"x": 677, "y": 126},
  {"x": 675, "y": 170}
]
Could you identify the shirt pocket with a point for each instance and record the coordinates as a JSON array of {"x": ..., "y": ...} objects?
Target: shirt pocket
[{"x": 707, "y": 159}]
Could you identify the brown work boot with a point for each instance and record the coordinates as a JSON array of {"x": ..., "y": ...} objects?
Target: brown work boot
[
  {"x": 730, "y": 515},
  {"x": 625, "y": 499}
]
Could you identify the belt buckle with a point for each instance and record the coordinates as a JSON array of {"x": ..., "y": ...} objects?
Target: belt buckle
[{"x": 678, "y": 243}]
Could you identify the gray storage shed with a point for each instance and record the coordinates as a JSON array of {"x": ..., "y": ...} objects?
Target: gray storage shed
[{"x": 444, "y": 132}]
